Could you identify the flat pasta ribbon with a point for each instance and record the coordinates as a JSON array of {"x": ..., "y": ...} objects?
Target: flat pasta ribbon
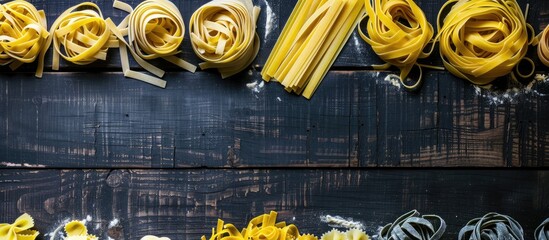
[
  {"x": 492, "y": 226},
  {"x": 23, "y": 33},
  {"x": 223, "y": 34},
  {"x": 80, "y": 35},
  {"x": 482, "y": 40},
  {"x": 19, "y": 230},
  {"x": 398, "y": 32},
  {"x": 351, "y": 234},
  {"x": 263, "y": 227},
  {"x": 412, "y": 226},
  {"x": 542, "y": 231}
]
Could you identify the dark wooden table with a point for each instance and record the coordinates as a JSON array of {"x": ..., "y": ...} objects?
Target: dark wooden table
[{"x": 85, "y": 141}]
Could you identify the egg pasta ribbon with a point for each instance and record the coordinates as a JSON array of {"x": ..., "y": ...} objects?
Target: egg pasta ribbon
[
  {"x": 20, "y": 229},
  {"x": 492, "y": 226},
  {"x": 80, "y": 35},
  {"x": 263, "y": 227},
  {"x": 481, "y": 40},
  {"x": 155, "y": 29},
  {"x": 223, "y": 34},
  {"x": 399, "y": 33},
  {"x": 413, "y": 226},
  {"x": 309, "y": 44},
  {"x": 542, "y": 231},
  {"x": 23, "y": 33}
]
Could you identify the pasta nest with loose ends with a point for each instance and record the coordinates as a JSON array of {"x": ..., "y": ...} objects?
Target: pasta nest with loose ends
[
  {"x": 81, "y": 35},
  {"x": 543, "y": 47},
  {"x": 223, "y": 34},
  {"x": 398, "y": 32},
  {"x": 481, "y": 40},
  {"x": 492, "y": 226},
  {"x": 155, "y": 29},
  {"x": 23, "y": 33}
]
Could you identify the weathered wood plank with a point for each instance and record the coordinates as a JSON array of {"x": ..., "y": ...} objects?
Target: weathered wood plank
[{"x": 185, "y": 204}]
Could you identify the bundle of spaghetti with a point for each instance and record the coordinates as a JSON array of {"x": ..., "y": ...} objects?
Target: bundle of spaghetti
[
  {"x": 543, "y": 46},
  {"x": 223, "y": 35},
  {"x": 23, "y": 33},
  {"x": 19, "y": 230},
  {"x": 481, "y": 40},
  {"x": 398, "y": 32},
  {"x": 155, "y": 29},
  {"x": 310, "y": 42},
  {"x": 80, "y": 35},
  {"x": 263, "y": 227}
]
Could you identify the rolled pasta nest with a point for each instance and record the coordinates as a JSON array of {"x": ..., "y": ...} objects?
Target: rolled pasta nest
[
  {"x": 481, "y": 40},
  {"x": 398, "y": 32},
  {"x": 492, "y": 226},
  {"x": 23, "y": 33},
  {"x": 542, "y": 231},
  {"x": 223, "y": 34},
  {"x": 81, "y": 35},
  {"x": 413, "y": 226},
  {"x": 543, "y": 46}
]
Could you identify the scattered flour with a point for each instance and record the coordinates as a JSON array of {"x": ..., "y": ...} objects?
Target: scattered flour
[
  {"x": 113, "y": 223},
  {"x": 271, "y": 18},
  {"x": 392, "y": 79},
  {"x": 340, "y": 222},
  {"x": 512, "y": 95},
  {"x": 279, "y": 99}
]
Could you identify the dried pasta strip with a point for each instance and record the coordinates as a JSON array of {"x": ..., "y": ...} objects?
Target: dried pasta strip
[
  {"x": 492, "y": 226},
  {"x": 20, "y": 229},
  {"x": 482, "y": 40},
  {"x": 413, "y": 226},
  {"x": 351, "y": 234},
  {"x": 263, "y": 227},
  {"x": 310, "y": 42},
  {"x": 155, "y": 29},
  {"x": 399, "y": 33},
  {"x": 542, "y": 231},
  {"x": 223, "y": 34},
  {"x": 543, "y": 46},
  {"x": 23, "y": 33}
]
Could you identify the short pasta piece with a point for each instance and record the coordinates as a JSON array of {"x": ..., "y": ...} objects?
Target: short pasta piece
[
  {"x": 23, "y": 33},
  {"x": 223, "y": 34},
  {"x": 351, "y": 234},
  {"x": 19, "y": 230}
]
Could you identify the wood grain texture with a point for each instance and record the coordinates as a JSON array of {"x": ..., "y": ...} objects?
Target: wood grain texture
[
  {"x": 184, "y": 204},
  {"x": 92, "y": 117}
]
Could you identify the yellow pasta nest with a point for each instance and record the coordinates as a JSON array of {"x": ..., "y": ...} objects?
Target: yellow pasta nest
[
  {"x": 482, "y": 40},
  {"x": 81, "y": 35},
  {"x": 263, "y": 227},
  {"x": 398, "y": 32},
  {"x": 543, "y": 47},
  {"x": 223, "y": 35},
  {"x": 76, "y": 230},
  {"x": 22, "y": 33},
  {"x": 19, "y": 230}
]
